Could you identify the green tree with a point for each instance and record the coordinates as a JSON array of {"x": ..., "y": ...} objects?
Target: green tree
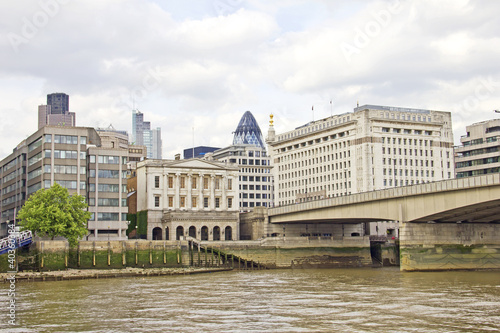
[{"x": 56, "y": 213}]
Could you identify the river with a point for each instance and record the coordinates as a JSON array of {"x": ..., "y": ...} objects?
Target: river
[{"x": 328, "y": 300}]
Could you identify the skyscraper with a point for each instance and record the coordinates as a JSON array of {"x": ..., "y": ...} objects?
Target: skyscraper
[
  {"x": 143, "y": 135},
  {"x": 56, "y": 112},
  {"x": 59, "y": 103}
]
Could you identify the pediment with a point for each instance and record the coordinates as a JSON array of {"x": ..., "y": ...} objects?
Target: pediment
[{"x": 197, "y": 164}]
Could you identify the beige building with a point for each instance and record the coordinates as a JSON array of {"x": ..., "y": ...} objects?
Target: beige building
[
  {"x": 85, "y": 161},
  {"x": 192, "y": 197},
  {"x": 373, "y": 148},
  {"x": 479, "y": 153}
]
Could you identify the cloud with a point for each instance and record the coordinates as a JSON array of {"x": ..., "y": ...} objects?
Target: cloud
[{"x": 203, "y": 64}]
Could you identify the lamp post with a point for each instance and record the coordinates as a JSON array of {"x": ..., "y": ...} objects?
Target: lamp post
[{"x": 135, "y": 232}]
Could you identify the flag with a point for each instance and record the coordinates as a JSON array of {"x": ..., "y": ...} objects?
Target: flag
[{"x": 312, "y": 108}]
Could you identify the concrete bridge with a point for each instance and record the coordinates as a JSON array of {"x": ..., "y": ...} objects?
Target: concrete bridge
[
  {"x": 463, "y": 200},
  {"x": 446, "y": 225}
]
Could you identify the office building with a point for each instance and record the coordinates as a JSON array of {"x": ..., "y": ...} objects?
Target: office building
[
  {"x": 479, "y": 152},
  {"x": 85, "y": 161},
  {"x": 372, "y": 148},
  {"x": 143, "y": 135},
  {"x": 56, "y": 111},
  {"x": 192, "y": 197},
  {"x": 198, "y": 152},
  {"x": 248, "y": 152}
]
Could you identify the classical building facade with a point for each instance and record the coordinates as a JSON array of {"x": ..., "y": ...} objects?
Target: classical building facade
[
  {"x": 479, "y": 152},
  {"x": 189, "y": 198},
  {"x": 86, "y": 162}
]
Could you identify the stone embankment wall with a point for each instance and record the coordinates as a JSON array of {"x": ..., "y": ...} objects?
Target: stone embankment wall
[
  {"x": 452, "y": 246},
  {"x": 297, "y": 252},
  {"x": 56, "y": 255},
  {"x": 302, "y": 252}
]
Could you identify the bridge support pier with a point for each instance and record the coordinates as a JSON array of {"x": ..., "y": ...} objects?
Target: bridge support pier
[{"x": 449, "y": 246}]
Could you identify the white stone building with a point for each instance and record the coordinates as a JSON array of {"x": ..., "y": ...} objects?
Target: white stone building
[
  {"x": 372, "y": 148},
  {"x": 189, "y": 198}
]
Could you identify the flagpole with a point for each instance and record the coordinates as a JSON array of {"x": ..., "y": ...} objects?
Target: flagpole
[
  {"x": 331, "y": 108},
  {"x": 313, "y": 111}
]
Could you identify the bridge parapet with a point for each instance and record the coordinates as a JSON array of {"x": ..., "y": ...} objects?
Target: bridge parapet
[{"x": 397, "y": 192}]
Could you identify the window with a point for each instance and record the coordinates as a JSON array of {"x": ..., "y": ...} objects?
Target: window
[
  {"x": 205, "y": 202},
  {"x": 229, "y": 202},
  {"x": 205, "y": 183},
  {"x": 170, "y": 182},
  {"x": 217, "y": 202},
  {"x": 108, "y": 159},
  {"x": 157, "y": 201},
  {"x": 194, "y": 181},
  {"x": 193, "y": 202},
  {"x": 217, "y": 183},
  {"x": 157, "y": 183},
  {"x": 229, "y": 184},
  {"x": 183, "y": 183},
  {"x": 183, "y": 201},
  {"x": 170, "y": 201}
]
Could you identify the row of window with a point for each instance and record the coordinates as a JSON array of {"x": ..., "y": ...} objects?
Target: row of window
[
  {"x": 107, "y": 188},
  {"x": 66, "y": 139},
  {"x": 107, "y": 202},
  {"x": 64, "y": 169},
  {"x": 313, "y": 128},
  {"x": 254, "y": 187},
  {"x": 482, "y": 161},
  {"x": 405, "y": 131},
  {"x": 194, "y": 182},
  {"x": 109, "y": 217},
  {"x": 107, "y": 159},
  {"x": 107, "y": 174},
  {"x": 194, "y": 202},
  {"x": 254, "y": 196}
]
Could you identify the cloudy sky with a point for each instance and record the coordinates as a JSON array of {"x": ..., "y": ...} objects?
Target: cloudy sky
[{"x": 196, "y": 66}]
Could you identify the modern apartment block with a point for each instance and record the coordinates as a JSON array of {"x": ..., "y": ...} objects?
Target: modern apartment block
[
  {"x": 143, "y": 135},
  {"x": 248, "y": 152},
  {"x": 81, "y": 159},
  {"x": 189, "y": 198},
  {"x": 56, "y": 111},
  {"x": 479, "y": 152},
  {"x": 374, "y": 147}
]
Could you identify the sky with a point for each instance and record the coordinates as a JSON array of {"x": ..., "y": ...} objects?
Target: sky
[{"x": 194, "y": 67}]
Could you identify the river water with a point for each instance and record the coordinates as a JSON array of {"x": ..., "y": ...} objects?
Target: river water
[{"x": 328, "y": 300}]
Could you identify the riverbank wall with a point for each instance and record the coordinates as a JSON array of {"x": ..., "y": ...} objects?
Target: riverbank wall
[
  {"x": 299, "y": 252},
  {"x": 449, "y": 246}
]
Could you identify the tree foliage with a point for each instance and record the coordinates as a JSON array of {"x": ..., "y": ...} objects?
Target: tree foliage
[{"x": 56, "y": 213}]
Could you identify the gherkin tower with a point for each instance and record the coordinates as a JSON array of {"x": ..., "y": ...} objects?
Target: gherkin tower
[{"x": 248, "y": 132}]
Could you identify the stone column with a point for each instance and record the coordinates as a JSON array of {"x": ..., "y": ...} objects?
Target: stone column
[
  {"x": 224, "y": 199},
  {"x": 212, "y": 192},
  {"x": 189, "y": 204},
  {"x": 200, "y": 192},
  {"x": 177, "y": 185}
]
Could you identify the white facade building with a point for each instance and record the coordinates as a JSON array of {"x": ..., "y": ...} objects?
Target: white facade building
[
  {"x": 189, "y": 198},
  {"x": 372, "y": 148}
]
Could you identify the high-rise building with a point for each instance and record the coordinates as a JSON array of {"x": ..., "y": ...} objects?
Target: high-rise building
[
  {"x": 143, "y": 135},
  {"x": 58, "y": 102},
  {"x": 56, "y": 112},
  {"x": 479, "y": 153},
  {"x": 85, "y": 161},
  {"x": 374, "y": 147},
  {"x": 248, "y": 152}
]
